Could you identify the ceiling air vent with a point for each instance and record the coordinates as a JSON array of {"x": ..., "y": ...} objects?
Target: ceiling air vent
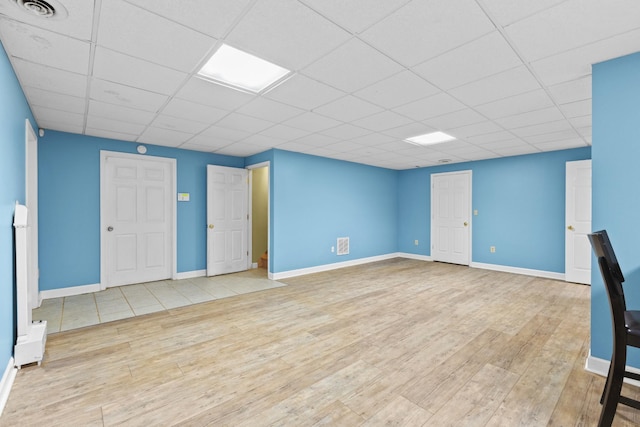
[
  {"x": 343, "y": 246},
  {"x": 44, "y": 9}
]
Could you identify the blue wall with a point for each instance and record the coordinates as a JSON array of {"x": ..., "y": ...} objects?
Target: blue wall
[
  {"x": 315, "y": 200},
  {"x": 521, "y": 209},
  {"x": 69, "y": 205},
  {"x": 616, "y": 205},
  {"x": 13, "y": 112}
]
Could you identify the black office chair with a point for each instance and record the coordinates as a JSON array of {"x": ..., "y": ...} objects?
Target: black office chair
[{"x": 626, "y": 329}]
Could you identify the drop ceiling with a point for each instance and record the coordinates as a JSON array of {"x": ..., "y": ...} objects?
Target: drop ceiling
[{"x": 505, "y": 77}]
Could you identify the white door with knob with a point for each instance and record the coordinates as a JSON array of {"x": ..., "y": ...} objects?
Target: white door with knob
[
  {"x": 578, "y": 222},
  {"x": 137, "y": 218},
  {"x": 227, "y": 220},
  {"x": 451, "y": 217}
]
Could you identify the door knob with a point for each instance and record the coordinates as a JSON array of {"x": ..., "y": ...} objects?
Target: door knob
[
  {"x": 570, "y": 228},
  {"x": 211, "y": 226},
  {"x": 109, "y": 228},
  {"x": 465, "y": 223}
]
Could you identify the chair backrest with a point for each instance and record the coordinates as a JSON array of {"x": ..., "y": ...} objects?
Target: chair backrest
[{"x": 613, "y": 278}]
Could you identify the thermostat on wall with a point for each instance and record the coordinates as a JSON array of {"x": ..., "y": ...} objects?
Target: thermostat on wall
[{"x": 183, "y": 197}]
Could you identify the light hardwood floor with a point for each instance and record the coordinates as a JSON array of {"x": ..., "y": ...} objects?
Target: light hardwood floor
[{"x": 399, "y": 342}]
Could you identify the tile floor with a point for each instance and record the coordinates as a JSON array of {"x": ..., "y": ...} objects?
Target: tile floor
[{"x": 63, "y": 314}]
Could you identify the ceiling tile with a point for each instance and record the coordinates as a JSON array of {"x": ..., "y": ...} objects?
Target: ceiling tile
[
  {"x": 407, "y": 131},
  {"x": 51, "y": 79},
  {"x": 542, "y": 129},
  {"x": 482, "y": 128},
  {"x": 507, "y": 143},
  {"x": 211, "y": 17},
  {"x": 455, "y": 119},
  {"x": 60, "y": 126},
  {"x": 424, "y": 29},
  {"x": 127, "y": 96},
  {"x": 567, "y": 133},
  {"x": 581, "y": 121},
  {"x": 190, "y": 110},
  {"x": 303, "y": 92},
  {"x": 287, "y": 33},
  {"x": 531, "y": 118},
  {"x": 574, "y": 90},
  {"x": 516, "y": 151},
  {"x": 116, "y": 126},
  {"x": 432, "y": 106},
  {"x": 284, "y": 132},
  {"x": 365, "y": 66},
  {"x": 267, "y": 109},
  {"x": 240, "y": 149},
  {"x": 317, "y": 140},
  {"x": 355, "y": 15},
  {"x": 346, "y": 131},
  {"x": 120, "y": 113},
  {"x": 311, "y": 122},
  {"x": 506, "y": 12},
  {"x": 57, "y": 118},
  {"x": 164, "y": 121},
  {"x": 244, "y": 123},
  {"x": 572, "y": 24},
  {"x": 373, "y": 139},
  {"x": 576, "y": 109},
  {"x": 348, "y": 108},
  {"x": 263, "y": 141},
  {"x": 157, "y": 39},
  {"x": 206, "y": 143},
  {"x": 383, "y": 121},
  {"x": 44, "y": 47},
  {"x": 502, "y": 85},
  {"x": 227, "y": 134},
  {"x": 489, "y": 55},
  {"x": 110, "y": 134},
  {"x": 169, "y": 138},
  {"x": 214, "y": 95},
  {"x": 399, "y": 89},
  {"x": 76, "y": 24},
  {"x": 45, "y": 98},
  {"x": 576, "y": 63},
  {"x": 118, "y": 68},
  {"x": 530, "y": 101},
  {"x": 561, "y": 145},
  {"x": 502, "y": 135}
]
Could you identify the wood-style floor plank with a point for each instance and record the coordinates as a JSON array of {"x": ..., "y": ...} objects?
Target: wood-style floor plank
[{"x": 398, "y": 342}]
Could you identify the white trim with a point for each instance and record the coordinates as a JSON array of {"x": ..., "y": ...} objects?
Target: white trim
[
  {"x": 174, "y": 207},
  {"x": 414, "y": 256},
  {"x": 7, "y": 382},
  {"x": 328, "y": 267},
  {"x": 601, "y": 367},
  {"x": 518, "y": 270},
  {"x": 70, "y": 291},
  {"x": 190, "y": 274}
]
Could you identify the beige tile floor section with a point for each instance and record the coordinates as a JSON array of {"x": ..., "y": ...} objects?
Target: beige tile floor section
[{"x": 65, "y": 313}]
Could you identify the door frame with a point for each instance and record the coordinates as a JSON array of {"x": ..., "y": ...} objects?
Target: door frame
[
  {"x": 104, "y": 154},
  {"x": 469, "y": 174},
  {"x": 31, "y": 201},
  {"x": 266, "y": 164}
]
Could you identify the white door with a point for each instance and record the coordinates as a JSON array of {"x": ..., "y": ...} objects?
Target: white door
[
  {"x": 578, "y": 222},
  {"x": 137, "y": 219},
  {"x": 450, "y": 217},
  {"x": 227, "y": 220},
  {"x": 31, "y": 201}
]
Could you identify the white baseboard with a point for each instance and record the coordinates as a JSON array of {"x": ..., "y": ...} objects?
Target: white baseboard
[
  {"x": 601, "y": 367},
  {"x": 191, "y": 274},
  {"x": 518, "y": 270},
  {"x": 70, "y": 291},
  {"x": 328, "y": 267},
  {"x": 7, "y": 382},
  {"x": 414, "y": 256}
]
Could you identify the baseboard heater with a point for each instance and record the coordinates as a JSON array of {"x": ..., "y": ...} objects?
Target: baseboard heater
[{"x": 32, "y": 336}]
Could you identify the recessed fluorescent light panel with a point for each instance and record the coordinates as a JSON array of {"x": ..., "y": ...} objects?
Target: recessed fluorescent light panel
[
  {"x": 430, "y": 138},
  {"x": 240, "y": 70}
]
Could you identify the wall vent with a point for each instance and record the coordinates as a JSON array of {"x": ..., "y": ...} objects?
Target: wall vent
[{"x": 343, "y": 246}]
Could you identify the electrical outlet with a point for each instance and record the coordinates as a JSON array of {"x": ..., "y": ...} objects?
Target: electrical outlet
[
  {"x": 415, "y": 242},
  {"x": 492, "y": 249},
  {"x": 333, "y": 249}
]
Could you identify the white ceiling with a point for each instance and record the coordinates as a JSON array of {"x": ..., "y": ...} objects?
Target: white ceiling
[{"x": 506, "y": 77}]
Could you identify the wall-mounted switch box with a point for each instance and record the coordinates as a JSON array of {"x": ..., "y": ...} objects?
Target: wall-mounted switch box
[{"x": 183, "y": 197}]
